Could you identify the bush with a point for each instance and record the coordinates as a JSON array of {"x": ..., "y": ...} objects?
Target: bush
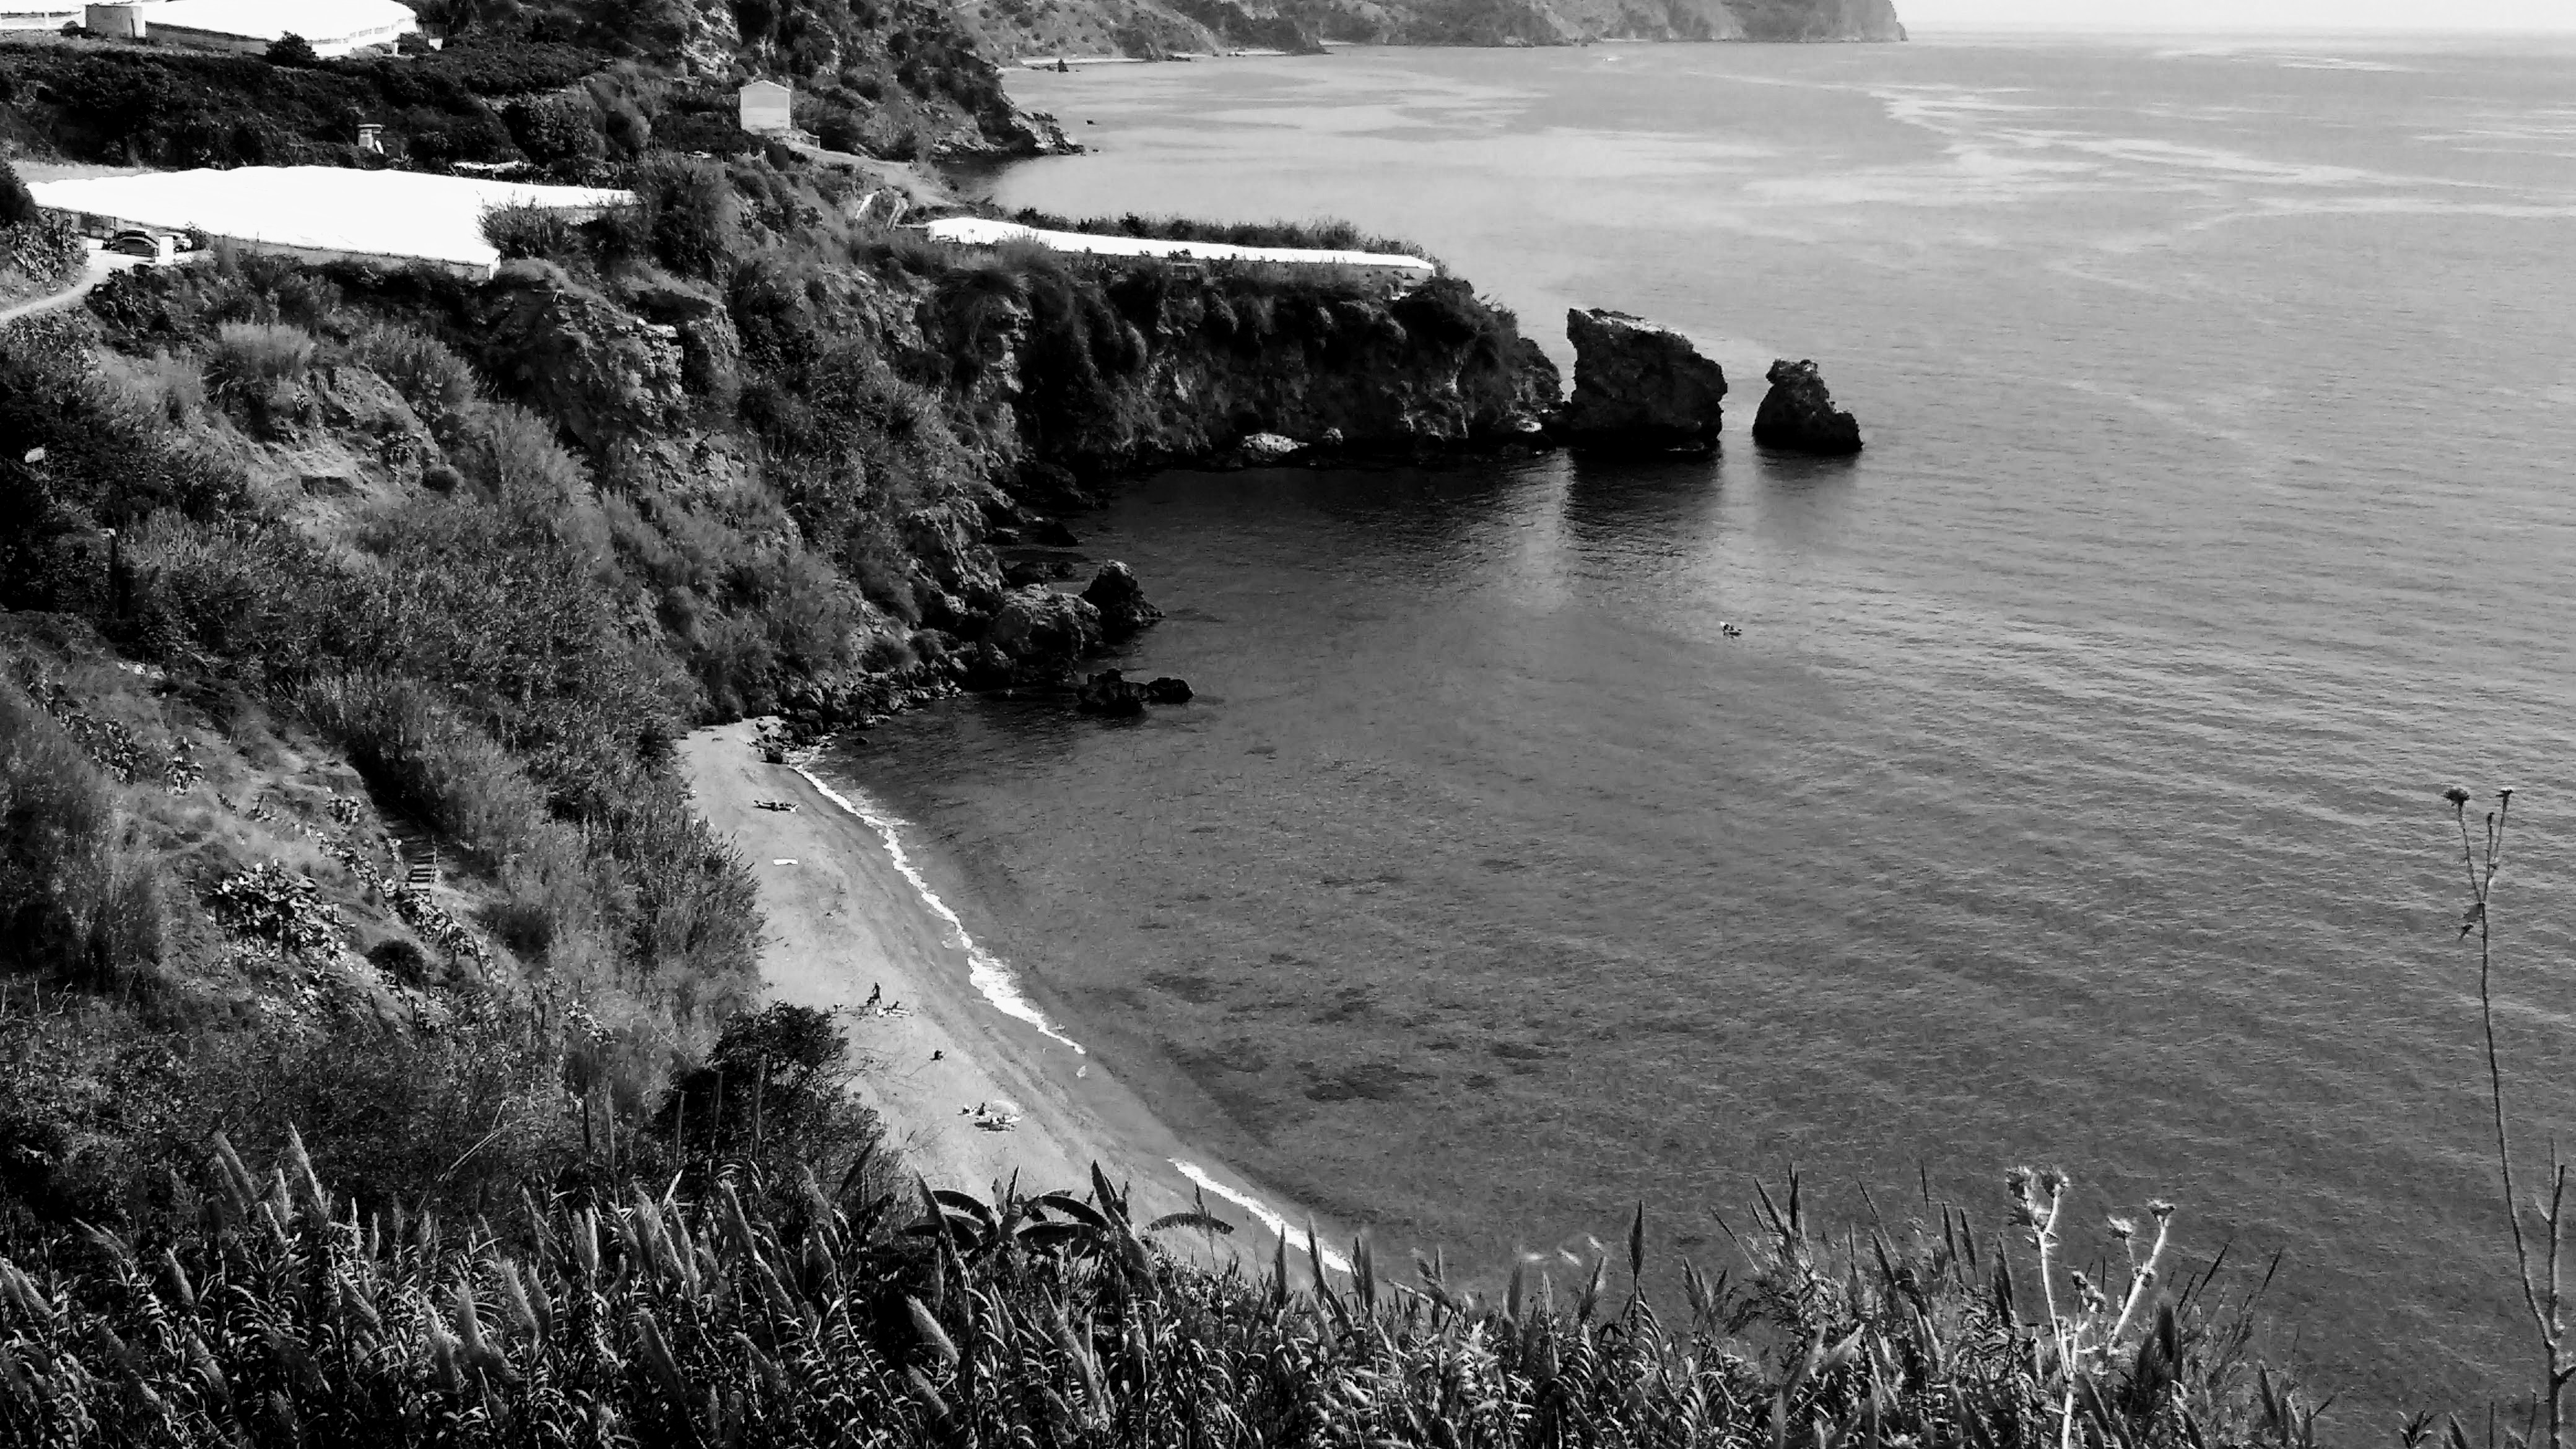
[
  {"x": 690, "y": 213},
  {"x": 402, "y": 960},
  {"x": 72, "y": 901},
  {"x": 292, "y": 50},
  {"x": 17, "y": 203},
  {"x": 260, "y": 367},
  {"x": 556, "y": 131},
  {"x": 39, "y": 256},
  {"x": 429, "y": 764},
  {"x": 438, "y": 384},
  {"x": 520, "y": 229}
]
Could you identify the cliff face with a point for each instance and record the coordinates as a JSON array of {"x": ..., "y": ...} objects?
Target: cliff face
[{"x": 1157, "y": 28}]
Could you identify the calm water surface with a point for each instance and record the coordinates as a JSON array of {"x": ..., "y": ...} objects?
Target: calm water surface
[{"x": 2072, "y": 796}]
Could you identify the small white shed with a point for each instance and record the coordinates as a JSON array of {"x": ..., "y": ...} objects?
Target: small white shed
[{"x": 765, "y": 108}]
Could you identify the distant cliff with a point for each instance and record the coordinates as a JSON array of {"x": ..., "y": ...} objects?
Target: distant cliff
[{"x": 1157, "y": 28}]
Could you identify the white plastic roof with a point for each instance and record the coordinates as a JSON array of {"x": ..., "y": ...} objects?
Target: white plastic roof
[
  {"x": 319, "y": 21},
  {"x": 982, "y": 231},
  {"x": 397, "y": 214}
]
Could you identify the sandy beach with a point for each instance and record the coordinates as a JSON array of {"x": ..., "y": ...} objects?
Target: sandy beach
[{"x": 845, "y": 925}]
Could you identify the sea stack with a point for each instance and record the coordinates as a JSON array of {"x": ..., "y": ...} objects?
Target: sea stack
[
  {"x": 1639, "y": 387},
  {"x": 1799, "y": 414}
]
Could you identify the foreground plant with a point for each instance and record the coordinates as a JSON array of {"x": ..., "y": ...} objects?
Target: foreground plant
[
  {"x": 2538, "y": 1228},
  {"x": 289, "y": 1317}
]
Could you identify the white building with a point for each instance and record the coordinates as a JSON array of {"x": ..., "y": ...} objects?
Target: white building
[
  {"x": 318, "y": 213},
  {"x": 331, "y": 27},
  {"x": 37, "y": 14},
  {"x": 765, "y": 108}
]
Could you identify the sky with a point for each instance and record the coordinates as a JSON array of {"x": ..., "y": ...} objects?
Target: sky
[{"x": 2274, "y": 15}]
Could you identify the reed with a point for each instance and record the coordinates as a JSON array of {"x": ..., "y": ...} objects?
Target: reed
[{"x": 284, "y": 1316}]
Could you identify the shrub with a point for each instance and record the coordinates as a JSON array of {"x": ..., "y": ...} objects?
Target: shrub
[
  {"x": 428, "y": 763},
  {"x": 17, "y": 203},
  {"x": 40, "y": 255},
  {"x": 558, "y": 131},
  {"x": 260, "y": 367},
  {"x": 292, "y": 50},
  {"x": 402, "y": 960},
  {"x": 521, "y": 229},
  {"x": 690, "y": 213},
  {"x": 72, "y": 900},
  {"x": 512, "y": 453},
  {"x": 438, "y": 384}
]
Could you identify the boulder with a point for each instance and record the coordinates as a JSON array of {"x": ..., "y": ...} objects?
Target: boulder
[
  {"x": 1640, "y": 387},
  {"x": 1266, "y": 448},
  {"x": 1124, "y": 611},
  {"x": 1111, "y": 693},
  {"x": 1799, "y": 414},
  {"x": 1167, "y": 690},
  {"x": 1045, "y": 633},
  {"x": 981, "y": 666}
]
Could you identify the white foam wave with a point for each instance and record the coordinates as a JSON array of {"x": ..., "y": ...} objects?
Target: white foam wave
[
  {"x": 990, "y": 975},
  {"x": 1257, "y": 1208}
]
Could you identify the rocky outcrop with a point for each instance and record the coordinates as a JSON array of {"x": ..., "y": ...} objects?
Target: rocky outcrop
[
  {"x": 1111, "y": 693},
  {"x": 603, "y": 373},
  {"x": 1124, "y": 610},
  {"x": 1182, "y": 370},
  {"x": 1045, "y": 633},
  {"x": 1798, "y": 414},
  {"x": 1639, "y": 387}
]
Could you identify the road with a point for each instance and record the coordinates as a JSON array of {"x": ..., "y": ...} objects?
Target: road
[{"x": 95, "y": 271}]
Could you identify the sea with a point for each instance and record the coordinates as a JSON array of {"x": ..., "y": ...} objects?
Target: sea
[{"x": 2073, "y": 793}]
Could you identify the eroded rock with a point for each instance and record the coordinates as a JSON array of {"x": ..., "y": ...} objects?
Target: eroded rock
[
  {"x": 1798, "y": 413},
  {"x": 1112, "y": 693},
  {"x": 1044, "y": 632},
  {"x": 1640, "y": 387},
  {"x": 1124, "y": 610}
]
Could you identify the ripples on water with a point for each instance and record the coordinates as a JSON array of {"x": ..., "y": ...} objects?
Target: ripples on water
[{"x": 2073, "y": 793}]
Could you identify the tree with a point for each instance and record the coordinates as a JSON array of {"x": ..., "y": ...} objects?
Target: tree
[{"x": 294, "y": 50}]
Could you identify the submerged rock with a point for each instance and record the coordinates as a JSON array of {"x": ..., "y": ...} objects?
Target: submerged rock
[
  {"x": 1640, "y": 387},
  {"x": 1124, "y": 610},
  {"x": 1799, "y": 413},
  {"x": 1111, "y": 693}
]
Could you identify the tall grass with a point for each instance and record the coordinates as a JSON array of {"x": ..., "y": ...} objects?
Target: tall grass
[{"x": 287, "y": 1314}]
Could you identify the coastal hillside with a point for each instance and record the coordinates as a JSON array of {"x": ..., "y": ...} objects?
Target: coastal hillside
[{"x": 1155, "y": 29}]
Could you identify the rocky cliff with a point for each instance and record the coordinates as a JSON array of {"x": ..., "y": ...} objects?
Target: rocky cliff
[{"x": 1158, "y": 28}]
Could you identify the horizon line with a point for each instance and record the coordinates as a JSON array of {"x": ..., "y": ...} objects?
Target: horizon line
[{"x": 2566, "y": 29}]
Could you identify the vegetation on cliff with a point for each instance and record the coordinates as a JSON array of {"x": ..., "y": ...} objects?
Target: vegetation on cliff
[{"x": 354, "y": 612}]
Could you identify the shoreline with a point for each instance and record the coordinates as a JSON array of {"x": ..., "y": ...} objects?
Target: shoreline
[{"x": 848, "y": 914}]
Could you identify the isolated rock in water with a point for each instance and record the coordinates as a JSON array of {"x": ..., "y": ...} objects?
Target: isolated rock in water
[
  {"x": 1111, "y": 693},
  {"x": 1639, "y": 386},
  {"x": 1799, "y": 413},
  {"x": 1124, "y": 611},
  {"x": 1043, "y": 631},
  {"x": 1270, "y": 448},
  {"x": 1168, "y": 690}
]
